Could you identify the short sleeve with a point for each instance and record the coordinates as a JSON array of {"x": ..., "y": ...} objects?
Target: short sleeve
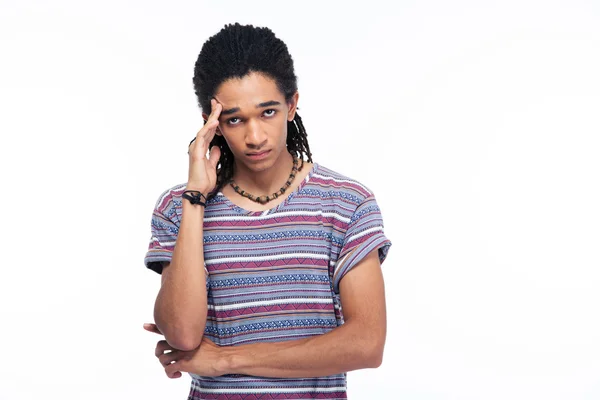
[
  {"x": 164, "y": 228},
  {"x": 162, "y": 241},
  {"x": 363, "y": 235}
]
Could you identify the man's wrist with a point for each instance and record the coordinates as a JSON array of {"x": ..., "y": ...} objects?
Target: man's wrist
[
  {"x": 194, "y": 186},
  {"x": 232, "y": 360},
  {"x": 187, "y": 205}
]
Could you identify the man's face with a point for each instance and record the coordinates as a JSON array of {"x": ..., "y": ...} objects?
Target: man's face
[{"x": 254, "y": 119}]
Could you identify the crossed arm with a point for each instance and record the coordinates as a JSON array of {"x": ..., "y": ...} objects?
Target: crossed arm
[{"x": 357, "y": 344}]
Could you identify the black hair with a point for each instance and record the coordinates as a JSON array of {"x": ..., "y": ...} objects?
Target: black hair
[{"x": 234, "y": 52}]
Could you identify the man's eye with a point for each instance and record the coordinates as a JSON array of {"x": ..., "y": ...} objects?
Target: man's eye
[
  {"x": 230, "y": 121},
  {"x": 271, "y": 112}
]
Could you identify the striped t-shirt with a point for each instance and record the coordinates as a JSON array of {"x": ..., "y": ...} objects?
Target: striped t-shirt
[{"x": 274, "y": 275}]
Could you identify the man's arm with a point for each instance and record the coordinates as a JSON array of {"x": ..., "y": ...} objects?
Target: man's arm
[
  {"x": 357, "y": 344},
  {"x": 181, "y": 304}
]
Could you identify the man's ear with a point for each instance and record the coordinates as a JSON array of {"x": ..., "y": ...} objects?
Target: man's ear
[{"x": 292, "y": 105}]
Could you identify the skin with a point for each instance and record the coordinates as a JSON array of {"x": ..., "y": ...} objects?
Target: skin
[
  {"x": 183, "y": 286},
  {"x": 250, "y": 122},
  {"x": 203, "y": 171},
  {"x": 248, "y": 126}
]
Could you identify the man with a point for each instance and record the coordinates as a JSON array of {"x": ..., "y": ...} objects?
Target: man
[{"x": 261, "y": 248}]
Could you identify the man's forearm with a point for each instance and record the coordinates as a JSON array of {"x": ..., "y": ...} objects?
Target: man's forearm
[
  {"x": 180, "y": 308},
  {"x": 343, "y": 349}
]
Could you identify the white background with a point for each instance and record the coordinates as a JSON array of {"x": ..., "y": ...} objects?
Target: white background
[{"x": 475, "y": 123}]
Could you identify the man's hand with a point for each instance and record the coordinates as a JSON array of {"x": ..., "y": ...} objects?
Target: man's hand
[
  {"x": 205, "y": 360},
  {"x": 152, "y": 328}
]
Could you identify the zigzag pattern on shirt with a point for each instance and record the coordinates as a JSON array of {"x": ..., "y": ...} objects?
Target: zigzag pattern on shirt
[{"x": 274, "y": 275}]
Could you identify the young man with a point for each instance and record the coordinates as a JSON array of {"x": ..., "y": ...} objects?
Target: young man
[{"x": 261, "y": 247}]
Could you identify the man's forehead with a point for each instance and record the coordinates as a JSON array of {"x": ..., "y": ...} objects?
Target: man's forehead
[
  {"x": 245, "y": 103},
  {"x": 247, "y": 92},
  {"x": 236, "y": 108}
]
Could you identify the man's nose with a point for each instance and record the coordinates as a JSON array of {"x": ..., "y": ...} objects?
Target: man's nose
[{"x": 255, "y": 137}]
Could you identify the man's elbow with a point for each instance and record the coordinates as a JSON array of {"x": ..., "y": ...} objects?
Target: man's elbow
[
  {"x": 183, "y": 343},
  {"x": 375, "y": 360},
  {"x": 373, "y": 356},
  {"x": 183, "y": 339}
]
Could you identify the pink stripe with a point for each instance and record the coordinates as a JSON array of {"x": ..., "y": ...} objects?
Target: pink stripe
[
  {"x": 361, "y": 239},
  {"x": 268, "y": 248},
  {"x": 276, "y": 220},
  {"x": 256, "y": 293},
  {"x": 271, "y": 396},
  {"x": 340, "y": 185},
  {"x": 276, "y": 308},
  {"x": 312, "y": 262},
  {"x": 274, "y": 330}
]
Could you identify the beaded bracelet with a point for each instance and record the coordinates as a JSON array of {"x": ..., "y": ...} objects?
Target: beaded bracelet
[{"x": 195, "y": 197}]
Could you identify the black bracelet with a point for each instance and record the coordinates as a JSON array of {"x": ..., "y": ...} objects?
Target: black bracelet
[{"x": 195, "y": 198}]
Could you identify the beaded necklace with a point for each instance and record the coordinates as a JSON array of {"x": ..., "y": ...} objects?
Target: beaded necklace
[{"x": 266, "y": 199}]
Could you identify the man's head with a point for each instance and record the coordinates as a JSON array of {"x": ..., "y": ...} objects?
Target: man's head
[{"x": 251, "y": 73}]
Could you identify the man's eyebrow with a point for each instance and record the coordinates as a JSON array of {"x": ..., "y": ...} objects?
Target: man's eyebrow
[
  {"x": 230, "y": 111},
  {"x": 268, "y": 103},
  {"x": 261, "y": 105}
]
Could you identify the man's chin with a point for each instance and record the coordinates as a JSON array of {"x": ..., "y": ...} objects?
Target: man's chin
[{"x": 257, "y": 167}]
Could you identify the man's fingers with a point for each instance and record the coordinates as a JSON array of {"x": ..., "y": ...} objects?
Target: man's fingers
[
  {"x": 215, "y": 109},
  {"x": 204, "y": 136},
  {"x": 174, "y": 370},
  {"x": 208, "y": 128},
  {"x": 214, "y": 156},
  {"x": 171, "y": 361},
  {"x": 210, "y": 134},
  {"x": 152, "y": 328},
  {"x": 215, "y": 112},
  {"x": 167, "y": 358},
  {"x": 161, "y": 347},
  {"x": 175, "y": 375}
]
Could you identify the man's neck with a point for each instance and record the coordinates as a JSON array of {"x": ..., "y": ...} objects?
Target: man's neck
[{"x": 264, "y": 182}]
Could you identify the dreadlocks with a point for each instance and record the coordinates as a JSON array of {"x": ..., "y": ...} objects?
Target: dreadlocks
[{"x": 234, "y": 52}]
